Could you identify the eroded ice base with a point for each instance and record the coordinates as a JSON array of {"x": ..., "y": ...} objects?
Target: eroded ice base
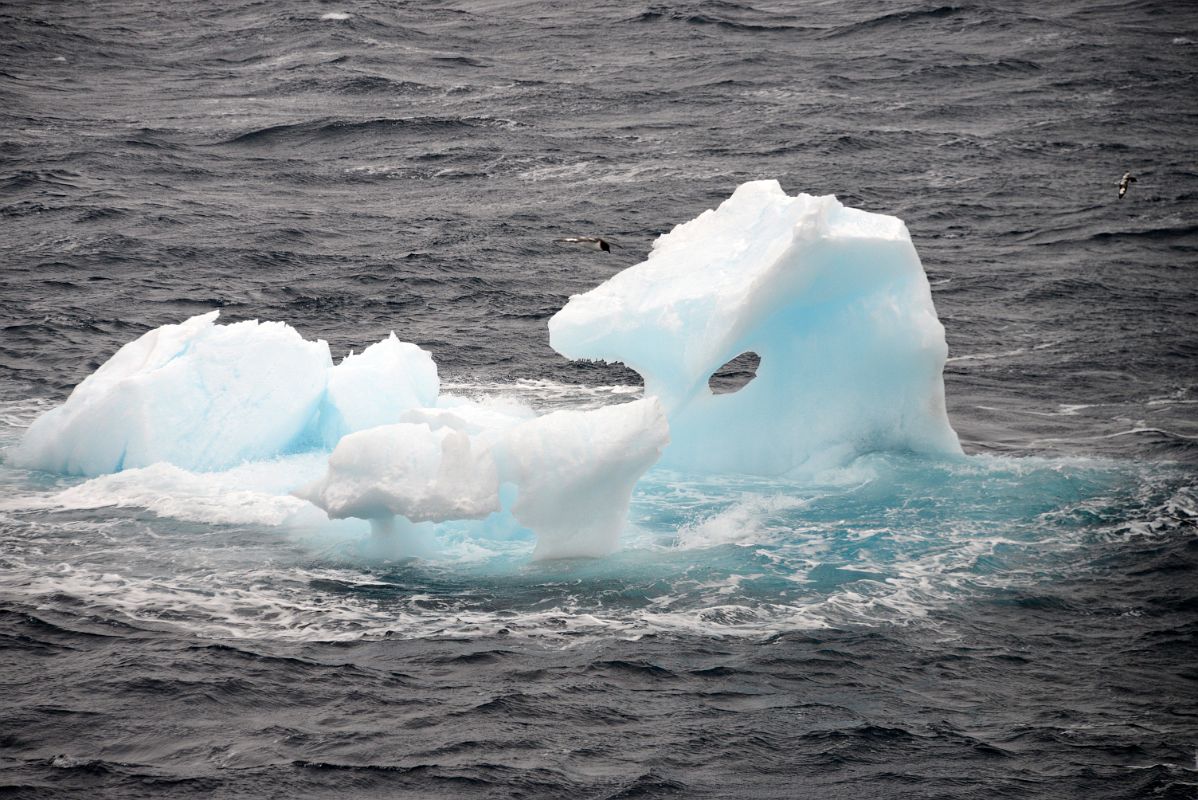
[{"x": 568, "y": 475}]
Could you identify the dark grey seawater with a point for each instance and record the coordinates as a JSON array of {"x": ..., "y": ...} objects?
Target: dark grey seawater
[{"x": 1019, "y": 626}]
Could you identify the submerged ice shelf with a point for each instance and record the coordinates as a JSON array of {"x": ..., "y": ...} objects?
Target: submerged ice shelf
[{"x": 833, "y": 300}]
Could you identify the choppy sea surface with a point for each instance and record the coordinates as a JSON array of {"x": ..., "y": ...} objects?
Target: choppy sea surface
[{"x": 1017, "y": 624}]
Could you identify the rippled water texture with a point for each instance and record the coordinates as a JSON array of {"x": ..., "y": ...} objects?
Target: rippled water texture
[{"x": 1018, "y": 623}]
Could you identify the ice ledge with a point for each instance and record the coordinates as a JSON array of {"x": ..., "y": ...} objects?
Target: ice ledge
[{"x": 833, "y": 299}]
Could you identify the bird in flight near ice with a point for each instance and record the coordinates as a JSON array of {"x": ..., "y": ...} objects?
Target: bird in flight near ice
[
  {"x": 590, "y": 241},
  {"x": 1124, "y": 182}
]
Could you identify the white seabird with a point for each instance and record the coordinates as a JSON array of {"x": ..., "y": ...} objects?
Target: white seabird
[{"x": 1124, "y": 182}]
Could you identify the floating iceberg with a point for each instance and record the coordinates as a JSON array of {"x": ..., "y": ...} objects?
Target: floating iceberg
[
  {"x": 571, "y": 473},
  {"x": 206, "y": 397},
  {"x": 834, "y": 301}
]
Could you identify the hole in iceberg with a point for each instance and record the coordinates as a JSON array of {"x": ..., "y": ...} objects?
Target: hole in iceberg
[{"x": 734, "y": 375}]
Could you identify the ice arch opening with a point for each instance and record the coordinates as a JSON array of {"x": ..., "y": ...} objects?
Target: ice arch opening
[{"x": 735, "y": 374}]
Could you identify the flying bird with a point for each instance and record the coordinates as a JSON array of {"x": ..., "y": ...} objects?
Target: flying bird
[
  {"x": 1124, "y": 182},
  {"x": 590, "y": 241}
]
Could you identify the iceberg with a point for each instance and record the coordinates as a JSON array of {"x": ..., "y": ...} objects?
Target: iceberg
[
  {"x": 575, "y": 471},
  {"x": 208, "y": 397},
  {"x": 833, "y": 300},
  {"x": 571, "y": 473}
]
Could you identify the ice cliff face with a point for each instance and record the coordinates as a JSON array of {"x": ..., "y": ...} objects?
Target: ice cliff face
[
  {"x": 835, "y": 302},
  {"x": 196, "y": 395}
]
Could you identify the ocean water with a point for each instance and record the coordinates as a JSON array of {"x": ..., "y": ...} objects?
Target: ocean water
[{"x": 1020, "y": 623}]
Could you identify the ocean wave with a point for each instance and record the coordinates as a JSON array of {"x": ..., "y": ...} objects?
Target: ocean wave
[
  {"x": 890, "y": 20},
  {"x": 720, "y": 15},
  {"x": 340, "y": 130},
  {"x": 721, "y": 558},
  {"x": 357, "y": 84}
]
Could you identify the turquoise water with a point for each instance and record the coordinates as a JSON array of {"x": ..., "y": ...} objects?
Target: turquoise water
[{"x": 889, "y": 539}]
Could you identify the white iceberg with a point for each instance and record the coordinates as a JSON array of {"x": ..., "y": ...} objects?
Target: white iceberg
[
  {"x": 204, "y": 396},
  {"x": 574, "y": 472},
  {"x": 835, "y": 302},
  {"x": 571, "y": 472},
  {"x": 197, "y": 395}
]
